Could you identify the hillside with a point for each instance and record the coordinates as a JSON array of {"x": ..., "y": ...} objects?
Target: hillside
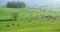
[{"x": 29, "y": 20}]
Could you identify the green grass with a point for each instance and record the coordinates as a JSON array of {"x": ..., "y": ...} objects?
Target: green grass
[{"x": 36, "y": 25}]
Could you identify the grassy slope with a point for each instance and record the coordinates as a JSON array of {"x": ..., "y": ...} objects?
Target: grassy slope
[{"x": 37, "y": 25}]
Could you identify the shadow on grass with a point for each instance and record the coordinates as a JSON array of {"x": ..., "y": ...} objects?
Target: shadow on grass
[
  {"x": 56, "y": 30},
  {"x": 7, "y": 20}
]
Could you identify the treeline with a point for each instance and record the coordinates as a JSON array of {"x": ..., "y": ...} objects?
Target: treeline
[{"x": 15, "y": 5}]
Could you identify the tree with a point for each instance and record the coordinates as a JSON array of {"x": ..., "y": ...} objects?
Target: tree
[
  {"x": 15, "y": 15},
  {"x": 11, "y": 4},
  {"x": 20, "y": 5},
  {"x": 16, "y": 5}
]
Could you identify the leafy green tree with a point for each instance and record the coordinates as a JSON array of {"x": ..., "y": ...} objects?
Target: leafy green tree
[
  {"x": 15, "y": 15},
  {"x": 16, "y": 5}
]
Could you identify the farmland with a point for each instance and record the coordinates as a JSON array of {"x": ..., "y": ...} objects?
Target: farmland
[{"x": 29, "y": 20}]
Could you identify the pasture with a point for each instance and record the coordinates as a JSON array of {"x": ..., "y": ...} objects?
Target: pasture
[{"x": 29, "y": 20}]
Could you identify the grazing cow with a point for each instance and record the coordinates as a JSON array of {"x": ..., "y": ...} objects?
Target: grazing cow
[
  {"x": 46, "y": 16},
  {"x": 54, "y": 18},
  {"x": 51, "y": 18},
  {"x": 29, "y": 19},
  {"x": 39, "y": 17}
]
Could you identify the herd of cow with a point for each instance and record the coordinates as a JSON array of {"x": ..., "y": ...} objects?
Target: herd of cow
[
  {"x": 41, "y": 17},
  {"x": 44, "y": 17}
]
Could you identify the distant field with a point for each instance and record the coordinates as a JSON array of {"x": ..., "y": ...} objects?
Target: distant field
[{"x": 24, "y": 24}]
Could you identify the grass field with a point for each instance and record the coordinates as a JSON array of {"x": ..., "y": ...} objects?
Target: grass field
[{"x": 23, "y": 24}]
